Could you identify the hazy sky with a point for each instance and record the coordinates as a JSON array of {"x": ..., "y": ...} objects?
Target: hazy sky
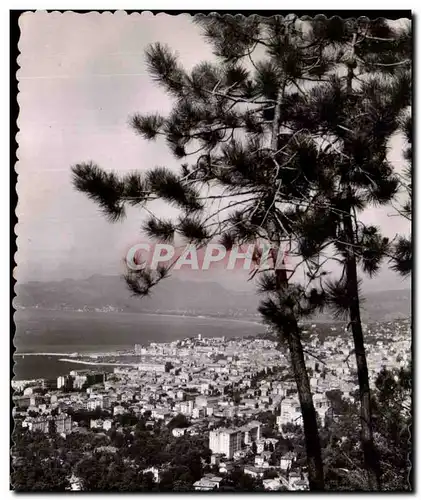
[{"x": 81, "y": 77}]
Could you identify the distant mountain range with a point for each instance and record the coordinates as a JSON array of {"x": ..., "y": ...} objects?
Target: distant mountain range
[{"x": 108, "y": 293}]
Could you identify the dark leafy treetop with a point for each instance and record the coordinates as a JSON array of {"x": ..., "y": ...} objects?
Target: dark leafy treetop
[{"x": 280, "y": 138}]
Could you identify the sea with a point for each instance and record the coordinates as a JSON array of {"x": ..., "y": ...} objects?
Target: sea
[{"x": 43, "y": 335}]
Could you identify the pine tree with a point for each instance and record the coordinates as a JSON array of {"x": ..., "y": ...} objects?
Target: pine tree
[
  {"x": 354, "y": 115},
  {"x": 229, "y": 116}
]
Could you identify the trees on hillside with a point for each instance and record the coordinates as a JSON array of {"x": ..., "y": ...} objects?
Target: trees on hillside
[
  {"x": 393, "y": 427},
  {"x": 35, "y": 474},
  {"x": 392, "y": 424},
  {"x": 284, "y": 141}
]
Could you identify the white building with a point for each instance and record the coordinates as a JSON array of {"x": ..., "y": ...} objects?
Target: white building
[
  {"x": 290, "y": 412},
  {"x": 119, "y": 410},
  {"x": 271, "y": 484},
  {"x": 101, "y": 424},
  {"x": 225, "y": 441},
  {"x": 94, "y": 403},
  {"x": 61, "y": 382},
  {"x": 186, "y": 408},
  {"x": 199, "y": 413},
  {"x": 287, "y": 460},
  {"x": 321, "y": 405},
  {"x": 79, "y": 381},
  {"x": 207, "y": 483},
  {"x": 177, "y": 432},
  {"x": 260, "y": 461},
  {"x": 180, "y": 395}
]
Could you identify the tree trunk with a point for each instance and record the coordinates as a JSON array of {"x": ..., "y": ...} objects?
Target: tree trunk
[
  {"x": 371, "y": 460},
  {"x": 311, "y": 432}
]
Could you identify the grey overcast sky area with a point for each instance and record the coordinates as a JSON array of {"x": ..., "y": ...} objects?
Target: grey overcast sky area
[{"x": 81, "y": 76}]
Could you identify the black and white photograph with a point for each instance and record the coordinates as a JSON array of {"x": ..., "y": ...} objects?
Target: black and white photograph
[{"x": 213, "y": 259}]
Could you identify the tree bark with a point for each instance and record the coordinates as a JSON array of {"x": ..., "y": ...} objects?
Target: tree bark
[
  {"x": 371, "y": 460},
  {"x": 311, "y": 432}
]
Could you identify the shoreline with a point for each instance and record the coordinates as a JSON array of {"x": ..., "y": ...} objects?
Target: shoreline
[
  {"x": 165, "y": 314},
  {"x": 252, "y": 321},
  {"x": 97, "y": 363}
]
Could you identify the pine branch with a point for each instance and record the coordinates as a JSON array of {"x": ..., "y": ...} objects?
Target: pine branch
[
  {"x": 407, "y": 61},
  {"x": 402, "y": 257}
]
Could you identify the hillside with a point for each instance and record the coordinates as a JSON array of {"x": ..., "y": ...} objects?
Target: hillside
[{"x": 175, "y": 295}]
